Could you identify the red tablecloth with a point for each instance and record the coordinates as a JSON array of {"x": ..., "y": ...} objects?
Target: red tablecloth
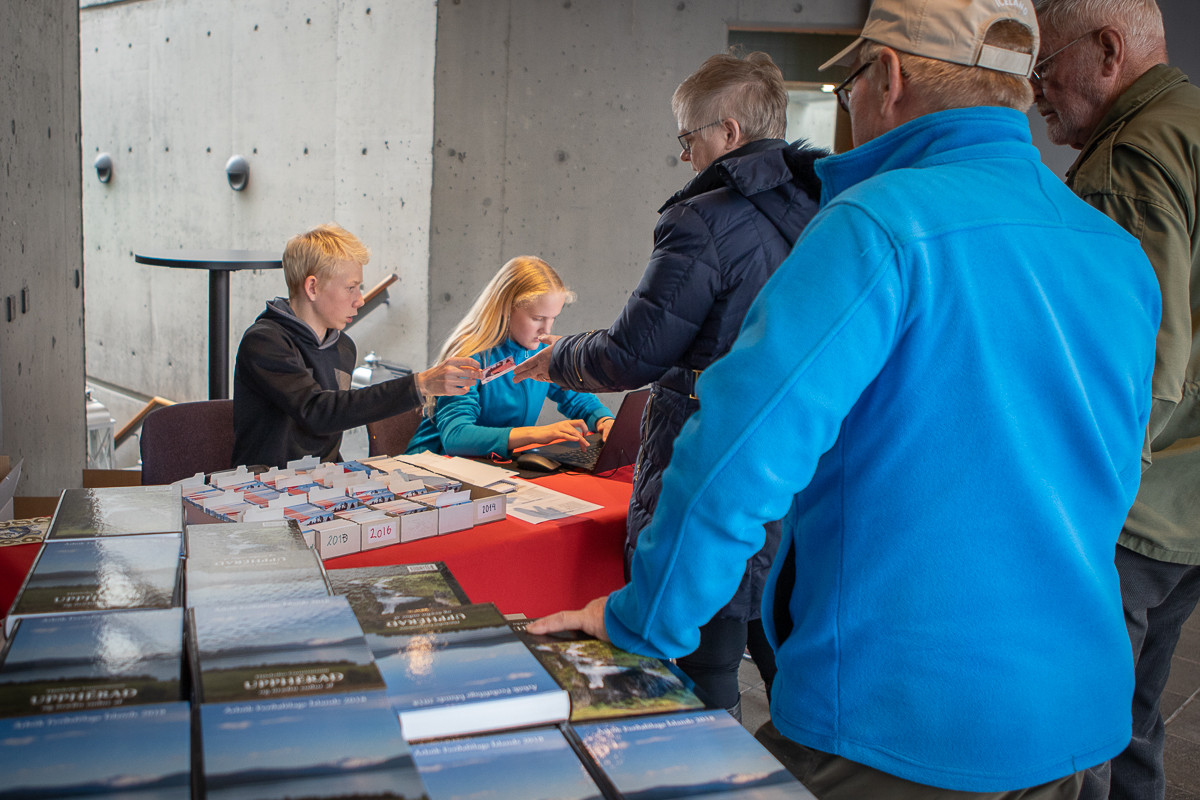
[
  {"x": 15, "y": 561},
  {"x": 522, "y": 568},
  {"x": 530, "y": 569}
]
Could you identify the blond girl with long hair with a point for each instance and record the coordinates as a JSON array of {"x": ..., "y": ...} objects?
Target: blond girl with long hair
[{"x": 510, "y": 318}]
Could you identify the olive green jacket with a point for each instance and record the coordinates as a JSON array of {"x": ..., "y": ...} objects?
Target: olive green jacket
[{"x": 1140, "y": 168}]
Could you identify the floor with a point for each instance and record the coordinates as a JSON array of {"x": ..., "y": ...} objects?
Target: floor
[{"x": 1180, "y": 705}]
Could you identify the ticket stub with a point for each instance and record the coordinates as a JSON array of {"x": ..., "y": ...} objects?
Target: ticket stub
[{"x": 490, "y": 373}]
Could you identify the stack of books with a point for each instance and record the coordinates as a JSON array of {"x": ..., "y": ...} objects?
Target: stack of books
[
  {"x": 250, "y": 563},
  {"x": 94, "y": 705},
  {"x": 106, "y": 550},
  {"x": 246, "y": 670},
  {"x": 291, "y": 704},
  {"x": 631, "y": 726}
]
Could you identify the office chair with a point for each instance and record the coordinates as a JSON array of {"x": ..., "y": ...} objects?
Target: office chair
[
  {"x": 180, "y": 440},
  {"x": 390, "y": 436}
]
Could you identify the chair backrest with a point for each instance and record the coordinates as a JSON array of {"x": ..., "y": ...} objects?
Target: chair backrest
[
  {"x": 180, "y": 440},
  {"x": 390, "y": 436}
]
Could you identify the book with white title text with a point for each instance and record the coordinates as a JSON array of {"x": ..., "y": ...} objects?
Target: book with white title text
[
  {"x": 329, "y": 747},
  {"x": 250, "y": 563},
  {"x": 687, "y": 755},
  {"x": 277, "y": 650},
  {"x": 108, "y": 574},
  {"x": 461, "y": 670},
  {"x": 84, "y": 662},
  {"x": 95, "y": 705},
  {"x": 514, "y": 765}
]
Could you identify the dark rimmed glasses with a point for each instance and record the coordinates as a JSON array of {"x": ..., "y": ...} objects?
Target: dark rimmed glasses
[
  {"x": 684, "y": 141},
  {"x": 1039, "y": 69},
  {"x": 842, "y": 90}
]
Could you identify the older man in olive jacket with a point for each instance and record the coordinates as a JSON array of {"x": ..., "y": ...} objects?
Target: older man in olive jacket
[{"x": 1104, "y": 88}]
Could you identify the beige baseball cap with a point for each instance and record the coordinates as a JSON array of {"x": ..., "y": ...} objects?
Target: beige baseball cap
[{"x": 948, "y": 30}]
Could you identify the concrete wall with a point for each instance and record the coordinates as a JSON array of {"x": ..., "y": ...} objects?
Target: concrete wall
[
  {"x": 330, "y": 101},
  {"x": 41, "y": 348}
]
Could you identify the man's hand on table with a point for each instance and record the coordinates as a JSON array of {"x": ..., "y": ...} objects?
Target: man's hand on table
[{"x": 589, "y": 619}]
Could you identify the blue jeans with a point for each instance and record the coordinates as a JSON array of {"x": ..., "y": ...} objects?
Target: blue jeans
[{"x": 1158, "y": 598}]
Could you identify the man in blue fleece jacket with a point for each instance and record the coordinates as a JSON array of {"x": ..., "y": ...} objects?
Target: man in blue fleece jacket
[{"x": 944, "y": 392}]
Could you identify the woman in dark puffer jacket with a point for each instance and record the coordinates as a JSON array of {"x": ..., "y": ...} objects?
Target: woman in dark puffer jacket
[{"x": 716, "y": 243}]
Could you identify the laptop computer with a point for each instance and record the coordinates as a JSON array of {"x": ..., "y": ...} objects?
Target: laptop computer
[{"x": 621, "y": 447}]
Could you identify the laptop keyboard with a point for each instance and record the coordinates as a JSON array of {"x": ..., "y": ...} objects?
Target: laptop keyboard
[{"x": 581, "y": 457}]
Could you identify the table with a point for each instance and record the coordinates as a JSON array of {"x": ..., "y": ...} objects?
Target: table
[
  {"x": 522, "y": 568},
  {"x": 219, "y": 264},
  {"x": 531, "y": 569}
]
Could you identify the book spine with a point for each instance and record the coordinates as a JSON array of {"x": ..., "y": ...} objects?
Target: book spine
[
  {"x": 51, "y": 529},
  {"x": 594, "y": 771},
  {"x": 453, "y": 583},
  {"x": 192, "y": 646}
]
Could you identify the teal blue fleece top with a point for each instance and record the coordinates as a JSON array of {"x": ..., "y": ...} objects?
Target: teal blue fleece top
[
  {"x": 944, "y": 392},
  {"x": 478, "y": 422}
]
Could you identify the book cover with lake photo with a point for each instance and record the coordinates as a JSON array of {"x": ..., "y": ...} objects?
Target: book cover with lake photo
[
  {"x": 317, "y": 748},
  {"x": 85, "y": 575},
  {"x": 693, "y": 754},
  {"x": 132, "y": 753},
  {"x": 81, "y": 662},
  {"x": 460, "y": 670},
  {"x": 254, "y": 577},
  {"x": 213, "y": 542},
  {"x": 516, "y": 765},
  {"x": 278, "y": 650}
]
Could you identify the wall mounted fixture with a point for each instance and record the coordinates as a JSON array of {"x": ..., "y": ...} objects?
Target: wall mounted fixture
[
  {"x": 237, "y": 170},
  {"x": 103, "y": 165}
]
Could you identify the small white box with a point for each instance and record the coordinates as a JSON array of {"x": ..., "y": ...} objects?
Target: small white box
[
  {"x": 378, "y": 528},
  {"x": 455, "y": 510},
  {"x": 490, "y": 506},
  {"x": 403, "y": 488},
  {"x": 338, "y": 538},
  {"x": 417, "y": 521},
  {"x": 304, "y": 463}
]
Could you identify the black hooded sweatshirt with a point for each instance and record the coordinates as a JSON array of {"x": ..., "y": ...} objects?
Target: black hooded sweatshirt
[{"x": 292, "y": 395}]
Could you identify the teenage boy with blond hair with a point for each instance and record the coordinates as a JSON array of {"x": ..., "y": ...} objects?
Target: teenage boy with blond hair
[{"x": 291, "y": 382}]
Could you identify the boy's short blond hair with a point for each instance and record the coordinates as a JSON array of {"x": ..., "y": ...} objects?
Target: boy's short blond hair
[{"x": 317, "y": 251}]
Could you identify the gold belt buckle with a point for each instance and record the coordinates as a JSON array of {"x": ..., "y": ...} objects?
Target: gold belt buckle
[{"x": 695, "y": 377}]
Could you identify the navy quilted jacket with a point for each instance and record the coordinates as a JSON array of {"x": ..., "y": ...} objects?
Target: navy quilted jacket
[{"x": 716, "y": 243}]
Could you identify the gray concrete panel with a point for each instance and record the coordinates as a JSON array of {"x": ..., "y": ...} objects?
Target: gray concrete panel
[{"x": 41, "y": 346}]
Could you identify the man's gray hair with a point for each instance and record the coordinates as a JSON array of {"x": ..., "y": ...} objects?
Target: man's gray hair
[{"x": 1139, "y": 20}]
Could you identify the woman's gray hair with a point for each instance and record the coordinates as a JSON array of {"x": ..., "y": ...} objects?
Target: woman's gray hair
[{"x": 748, "y": 89}]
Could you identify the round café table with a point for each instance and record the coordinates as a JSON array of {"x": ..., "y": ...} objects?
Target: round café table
[{"x": 219, "y": 264}]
